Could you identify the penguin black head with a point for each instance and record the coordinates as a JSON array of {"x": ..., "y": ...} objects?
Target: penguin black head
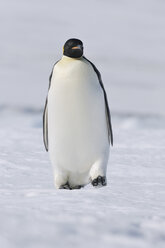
[{"x": 73, "y": 48}]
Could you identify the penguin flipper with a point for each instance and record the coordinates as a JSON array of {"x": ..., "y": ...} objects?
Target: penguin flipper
[
  {"x": 45, "y": 125},
  {"x": 108, "y": 115},
  {"x": 45, "y": 114}
]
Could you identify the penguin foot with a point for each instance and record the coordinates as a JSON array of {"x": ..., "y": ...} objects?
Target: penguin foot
[
  {"x": 77, "y": 187},
  {"x": 99, "y": 181},
  {"x": 65, "y": 186}
]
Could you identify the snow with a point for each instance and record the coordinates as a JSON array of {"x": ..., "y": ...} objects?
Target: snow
[
  {"x": 129, "y": 212},
  {"x": 125, "y": 39}
]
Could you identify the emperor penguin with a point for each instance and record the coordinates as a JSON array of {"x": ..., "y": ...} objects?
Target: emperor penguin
[{"x": 77, "y": 128}]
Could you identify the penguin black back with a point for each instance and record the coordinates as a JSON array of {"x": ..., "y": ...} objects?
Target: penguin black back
[{"x": 73, "y": 48}]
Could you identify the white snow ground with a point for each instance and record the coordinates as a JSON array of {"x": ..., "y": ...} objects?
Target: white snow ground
[
  {"x": 129, "y": 212},
  {"x": 126, "y": 40}
]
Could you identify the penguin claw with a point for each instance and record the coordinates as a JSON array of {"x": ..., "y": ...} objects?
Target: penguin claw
[{"x": 99, "y": 181}]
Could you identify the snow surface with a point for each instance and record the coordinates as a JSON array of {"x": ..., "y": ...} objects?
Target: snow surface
[
  {"x": 125, "y": 39},
  {"x": 129, "y": 212}
]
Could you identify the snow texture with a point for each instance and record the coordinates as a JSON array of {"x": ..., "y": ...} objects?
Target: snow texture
[
  {"x": 129, "y": 212},
  {"x": 125, "y": 39}
]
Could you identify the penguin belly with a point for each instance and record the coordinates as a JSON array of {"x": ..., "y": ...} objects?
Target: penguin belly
[{"x": 77, "y": 126}]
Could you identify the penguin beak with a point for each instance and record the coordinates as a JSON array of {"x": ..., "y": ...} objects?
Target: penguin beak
[{"x": 77, "y": 47}]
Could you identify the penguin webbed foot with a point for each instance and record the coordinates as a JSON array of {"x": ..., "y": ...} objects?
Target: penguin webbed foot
[
  {"x": 99, "y": 181},
  {"x": 77, "y": 187},
  {"x": 67, "y": 186}
]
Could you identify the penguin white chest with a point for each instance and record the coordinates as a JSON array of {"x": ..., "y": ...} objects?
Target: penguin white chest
[{"x": 76, "y": 116}]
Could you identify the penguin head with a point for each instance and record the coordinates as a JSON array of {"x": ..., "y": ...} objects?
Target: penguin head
[{"x": 73, "y": 48}]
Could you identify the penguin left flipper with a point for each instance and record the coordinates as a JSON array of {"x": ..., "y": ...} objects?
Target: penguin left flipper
[
  {"x": 108, "y": 115},
  {"x": 99, "y": 181}
]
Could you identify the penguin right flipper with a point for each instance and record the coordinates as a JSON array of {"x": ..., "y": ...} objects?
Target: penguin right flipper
[
  {"x": 45, "y": 125},
  {"x": 45, "y": 114}
]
